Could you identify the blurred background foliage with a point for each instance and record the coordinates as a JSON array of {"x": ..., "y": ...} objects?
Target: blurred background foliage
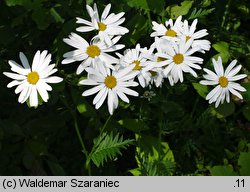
[{"x": 166, "y": 131}]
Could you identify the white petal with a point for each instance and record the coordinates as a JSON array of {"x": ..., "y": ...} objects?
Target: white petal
[
  {"x": 230, "y": 67},
  {"x": 53, "y": 79},
  {"x": 14, "y": 83},
  {"x": 128, "y": 91},
  {"x": 110, "y": 101},
  {"x": 98, "y": 96},
  {"x": 102, "y": 99},
  {"x": 237, "y": 77},
  {"x": 24, "y": 60},
  {"x": 33, "y": 97},
  {"x": 122, "y": 96},
  {"x": 204, "y": 82},
  {"x": 213, "y": 92},
  {"x": 42, "y": 91},
  {"x": 14, "y": 76},
  {"x": 236, "y": 93},
  {"x": 93, "y": 90},
  {"x": 36, "y": 61}
]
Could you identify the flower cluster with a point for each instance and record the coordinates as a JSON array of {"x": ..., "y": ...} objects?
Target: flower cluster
[{"x": 173, "y": 53}]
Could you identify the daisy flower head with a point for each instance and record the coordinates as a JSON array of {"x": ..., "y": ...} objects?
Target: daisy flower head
[
  {"x": 158, "y": 64},
  {"x": 189, "y": 33},
  {"x": 169, "y": 31},
  {"x": 136, "y": 58},
  {"x": 108, "y": 25},
  {"x": 110, "y": 84},
  {"x": 224, "y": 81},
  {"x": 91, "y": 54},
  {"x": 179, "y": 59},
  {"x": 31, "y": 81}
]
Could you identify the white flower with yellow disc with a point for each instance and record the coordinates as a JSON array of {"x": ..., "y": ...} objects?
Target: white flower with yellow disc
[
  {"x": 224, "y": 81},
  {"x": 171, "y": 30},
  {"x": 91, "y": 54},
  {"x": 136, "y": 58},
  {"x": 110, "y": 83},
  {"x": 31, "y": 81},
  {"x": 108, "y": 25},
  {"x": 179, "y": 59},
  {"x": 190, "y": 33}
]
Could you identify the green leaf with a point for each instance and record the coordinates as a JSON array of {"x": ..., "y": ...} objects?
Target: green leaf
[
  {"x": 56, "y": 16},
  {"x": 156, "y": 6},
  {"x": 42, "y": 18},
  {"x": 143, "y": 4},
  {"x": 244, "y": 163},
  {"x": 202, "y": 90},
  {"x": 14, "y": 2},
  {"x": 108, "y": 147},
  {"x": 222, "y": 170},
  {"x": 133, "y": 124},
  {"x": 223, "y": 49},
  {"x": 199, "y": 13},
  {"x": 55, "y": 168},
  {"x": 226, "y": 109},
  {"x": 81, "y": 108},
  {"x": 246, "y": 111},
  {"x": 176, "y": 10},
  {"x": 246, "y": 94}
]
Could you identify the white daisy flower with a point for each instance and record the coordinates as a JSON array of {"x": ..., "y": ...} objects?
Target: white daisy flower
[
  {"x": 189, "y": 33},
  {"x": 224, "y": 81},
  {"x": 136, "y": 56},
  {"x": 31, "y": 81},
  {"x": 108, "y": 25},
  {"x": 90, "y": 54},
  {"x": 171, "y": 30},
  {"x": 110, "y": 84},
  {"x": 158, "y": 64},
  {"x": 178, "y": 59}
]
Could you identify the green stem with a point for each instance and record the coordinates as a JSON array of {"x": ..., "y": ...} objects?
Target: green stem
[
  {"x": 105, "y": 124},
  {"x": 101, "y": 131},
  {"x": 84, "y": 150}
]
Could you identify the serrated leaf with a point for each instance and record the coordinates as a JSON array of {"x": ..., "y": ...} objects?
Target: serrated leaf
[
  {"x": 198, "y": 13},
  {"x": 244, "y": 163},
  {"x": 202, "y": 90},
  {"x": 176, "y": 10},
  {"x": 108, "y": 147}
]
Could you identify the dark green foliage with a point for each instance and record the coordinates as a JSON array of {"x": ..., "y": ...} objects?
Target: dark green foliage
[{"x": 108, "y": 147}]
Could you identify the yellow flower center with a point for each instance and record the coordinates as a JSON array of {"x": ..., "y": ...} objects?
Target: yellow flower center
[
  {"x": 93, "y": 51},
  {"x": 171, "y": 33},
  {"x": 137, "y": 65},
  {"x": 223, "y": 81},
  {"x": 153, "y": 73},
  {"x": 102, "y": 26},
  {"x": 33, "y": 77},
  {"x": 159, "y": 59},
  {"x": 178, "y": 58},
  {"x": 187, "y": 38},
  {"x": 110, "y": 82}
]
